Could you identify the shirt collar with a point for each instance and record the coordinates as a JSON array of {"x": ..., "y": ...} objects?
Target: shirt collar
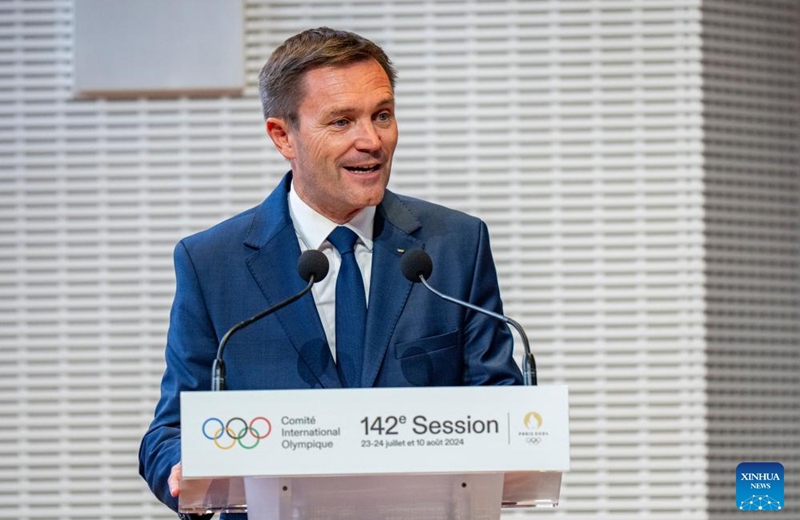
[{"x": 313, "y": 229}]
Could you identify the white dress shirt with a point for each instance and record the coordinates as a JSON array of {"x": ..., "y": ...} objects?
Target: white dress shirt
[{"x": 312, "y": 231}]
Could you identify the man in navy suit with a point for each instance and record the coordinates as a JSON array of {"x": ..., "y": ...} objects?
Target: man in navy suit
[{"x": 328, "y": 100}]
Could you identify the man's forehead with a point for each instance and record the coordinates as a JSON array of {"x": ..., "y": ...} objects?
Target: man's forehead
[
  {"x": 342, "y": 88},
  {"x": 360, "y": 70}
]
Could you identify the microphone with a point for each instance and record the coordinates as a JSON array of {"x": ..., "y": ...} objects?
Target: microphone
[
  {"x": 312, "y": 267},
  {"x": 417, "y": 266}
]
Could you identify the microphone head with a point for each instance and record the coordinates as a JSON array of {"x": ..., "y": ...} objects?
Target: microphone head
[
  {"x": 312, "y": 263},
  {"x": 416, "y": 262}
]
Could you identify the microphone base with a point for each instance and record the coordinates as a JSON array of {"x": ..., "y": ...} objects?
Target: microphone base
[{"x": 218, "y": 376}]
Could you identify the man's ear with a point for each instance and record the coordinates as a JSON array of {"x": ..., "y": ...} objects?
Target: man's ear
[{"x": 280, "y": 133}]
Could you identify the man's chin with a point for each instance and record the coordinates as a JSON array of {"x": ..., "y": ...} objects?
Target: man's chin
[
  {"x": 371, "y": 199},
  {"x": 368, "y": 189}
]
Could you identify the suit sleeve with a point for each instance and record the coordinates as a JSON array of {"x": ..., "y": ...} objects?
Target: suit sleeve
[
  {"x": 489, "y": 346},
  {"x": 190, "y": 352}
]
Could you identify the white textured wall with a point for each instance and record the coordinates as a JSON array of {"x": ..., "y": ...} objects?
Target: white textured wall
[{"x": 574, "y": 128}]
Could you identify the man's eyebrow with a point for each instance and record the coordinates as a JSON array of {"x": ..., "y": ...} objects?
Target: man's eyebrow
[
  {"x": 337, "y": 112},
  {"x": 341, "y": 111},
  {"x": 389, "y": 101}
]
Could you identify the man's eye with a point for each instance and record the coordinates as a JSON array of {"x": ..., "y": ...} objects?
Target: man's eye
[
  {"x": 384, "y": 116},
  {"x": 340, "y": 122}
]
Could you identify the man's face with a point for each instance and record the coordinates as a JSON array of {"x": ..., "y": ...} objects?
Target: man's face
[{"x": 341, "y": 151}]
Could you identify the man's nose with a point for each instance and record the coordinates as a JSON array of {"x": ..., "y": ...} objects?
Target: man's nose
[{"x": 368, "y": 139}]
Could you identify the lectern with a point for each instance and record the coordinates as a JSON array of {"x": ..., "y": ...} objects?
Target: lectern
[{"x": 378, "y": 453}]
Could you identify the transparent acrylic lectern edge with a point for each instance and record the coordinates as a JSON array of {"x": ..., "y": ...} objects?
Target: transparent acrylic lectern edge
[{"x": 522, "y": 489}]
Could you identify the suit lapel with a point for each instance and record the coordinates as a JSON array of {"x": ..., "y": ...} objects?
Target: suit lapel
[
  {"x": 273, "y": 265},
  {"x": 389, "y": 289}
]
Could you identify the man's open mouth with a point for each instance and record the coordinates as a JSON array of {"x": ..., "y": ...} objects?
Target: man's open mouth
[{"x": 363, "y": 169}]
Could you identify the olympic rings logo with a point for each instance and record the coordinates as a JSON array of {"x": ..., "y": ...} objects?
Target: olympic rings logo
[
  {"x": 533, "y": 440},
  {"x": 235, "y": 431}
]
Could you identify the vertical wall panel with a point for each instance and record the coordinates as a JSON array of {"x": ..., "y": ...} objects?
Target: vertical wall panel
[
  {"x": 611, "y": 146},
  {"x": 751, "y": 79}
]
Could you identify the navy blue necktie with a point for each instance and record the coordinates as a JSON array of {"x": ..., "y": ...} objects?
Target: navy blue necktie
[{"x": 351, "y": 309}]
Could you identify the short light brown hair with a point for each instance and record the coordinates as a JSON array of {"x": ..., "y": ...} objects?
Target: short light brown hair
[{"x": 280, "y": 84}]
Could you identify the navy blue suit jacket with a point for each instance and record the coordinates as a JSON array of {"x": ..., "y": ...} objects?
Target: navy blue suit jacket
[{"x": 248, "y": 263}]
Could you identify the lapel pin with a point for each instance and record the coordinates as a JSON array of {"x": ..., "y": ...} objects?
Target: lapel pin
[{"x": 401, "y": 251}]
